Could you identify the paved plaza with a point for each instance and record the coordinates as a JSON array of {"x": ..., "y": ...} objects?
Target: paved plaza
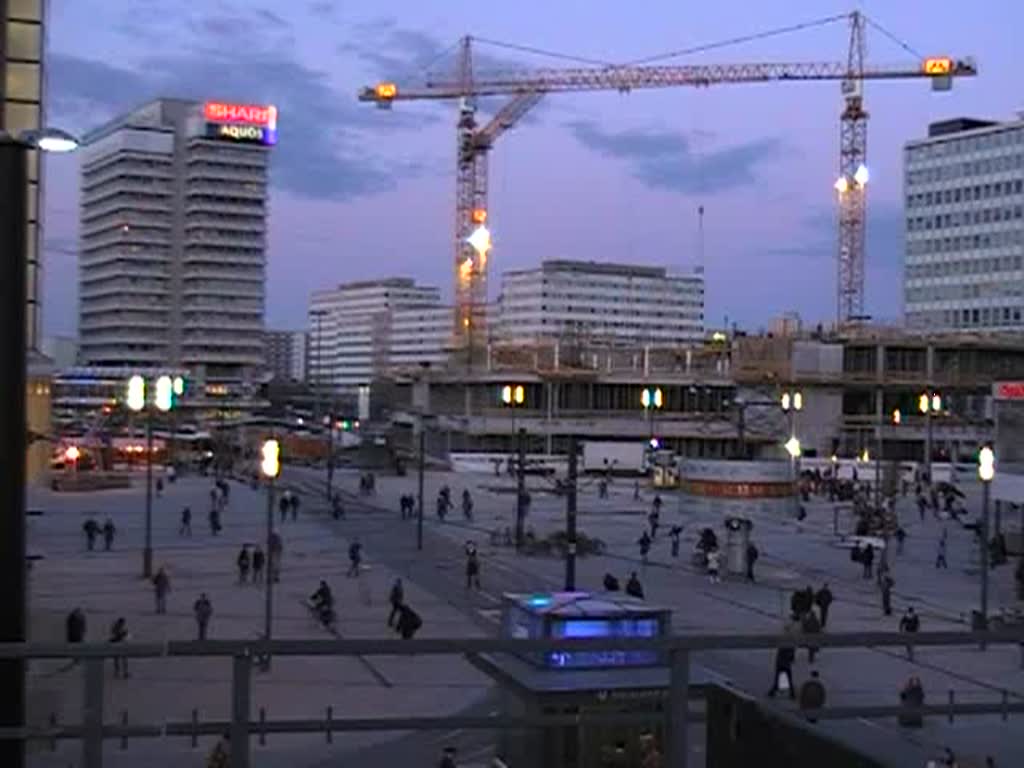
[{"x": 108, "y": 585}]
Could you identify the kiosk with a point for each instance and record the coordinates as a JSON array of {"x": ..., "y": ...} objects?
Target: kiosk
[{"x": 581, "y": 683}]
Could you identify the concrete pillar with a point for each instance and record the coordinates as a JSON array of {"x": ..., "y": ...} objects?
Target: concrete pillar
[
  {"x": 92, "y": 713},
  {"x": 677, "y": 725},
  {"x": 241, "y": 702}
]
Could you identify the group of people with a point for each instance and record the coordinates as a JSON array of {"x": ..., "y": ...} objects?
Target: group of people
[
  {"x": 93, "y": 529},
  {"x": 289, "y": 502},
  {"x": 202, "y": 608},
  {"x": 246, "y": 561},
  {"x": 633, "y": 586}
]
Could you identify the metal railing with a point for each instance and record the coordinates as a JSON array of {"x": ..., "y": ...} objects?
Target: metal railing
[{"x": 676, "y": 716}]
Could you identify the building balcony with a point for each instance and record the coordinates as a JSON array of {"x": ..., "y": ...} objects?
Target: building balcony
[
  {"x": 128, "y": 206},
  {"x": 235, "y": 190}
]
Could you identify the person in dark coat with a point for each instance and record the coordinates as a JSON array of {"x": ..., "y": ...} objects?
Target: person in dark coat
[
  {"x": 243, "y": 563},
  {"x": 283, "y": 506},
  {"x": 752, "y": 555},
  {"x": 812, "y": 694},
  {"x": 355, "y": 557},
  {"x": 611, "y": 584},
  {"x": 645, "y": 545},
  {"x": 910, "y": 623},
  {"x": 92, "y": 529},
  {"x": 396, "y": 598},
  {"x": 784, "y": 658},
  {"x": 259, "y": 559},
  {"x": 886, "y": 586},
  {"x": 811, "y": 627},
  {"x": 409, "y": 622},
  {"x": 119, "y": 634},
  {"x": 185, "y": 529},
  {"x": 472, "y": 569},
  {"x": 912, "y": 697},
  {"x": 633, "y": 587},
  {"x": 161, "y": 586},
  {"x": 673, "y": 534},
  {"x": 823, "y": 599},
  {"x": 74, "y": 626},
  {"x": 295, "y": 507},
  {"x": 868, "y": 560},
  {"x": 203, "y": 610}
]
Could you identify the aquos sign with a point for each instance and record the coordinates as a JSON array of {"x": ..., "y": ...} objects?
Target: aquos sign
[{"x": 245, "y": 123}]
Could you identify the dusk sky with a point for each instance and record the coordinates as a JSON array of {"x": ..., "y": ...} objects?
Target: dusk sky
[{"x": 359, "y": 193}]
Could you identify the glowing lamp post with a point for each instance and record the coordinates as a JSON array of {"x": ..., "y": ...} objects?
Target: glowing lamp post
[
  {"x": 929, "y": 404},
  {"x": 514, "y": 396},
  {"x": 986, "y": 473},
  {"x": 270, "y": 468}
]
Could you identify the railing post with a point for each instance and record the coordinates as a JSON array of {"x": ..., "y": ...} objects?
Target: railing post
[
  {"x": 92, "y": 713},
  {"x": 241, "y": 695},
  {"x": 677, "y": 722}
]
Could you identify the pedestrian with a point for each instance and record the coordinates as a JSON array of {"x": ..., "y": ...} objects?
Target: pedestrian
[
  {"x": 472, "y": 569},
  {"x": 645, "y": 545},
  {"x": 214, "y": 518},
  {"x": 119, "y": 634},
  {"x": 912, "y": 698},
  {"x": 752, "y": 555},
  {"x": 868, "y": 560},
  {"x": 185, "y": 529},
  {"x": 295, "y": 506},
  {"x": 611, "y": 584},
  {"x": 258, "y": 561},
  {"x": 634, "y": 588},
  {"x": 811, "y": 626},
  {"x": 940, "y": 557},
  {"x": 220, "y": 755},
  {"x": 673, "y": 534},
  {"x": 159, "y": 487},
  {"x": 203, "y": 610},
  {"x": 901, "y": 537},
  {"x": 910, "y": 623},
  {"x": 108, "y": 534},
  {"x": 654, "y": 519},
  {"x": 812, "y": 695},
  {"x": 243, "y": 564},
  {"x": 922, "y": 505},
  {"x": 396, "y": 598},
  {"x": 447, "y": 758},
  {"x": 161, "y": 586},
  {"x": 713, "y": 564},
  {"x": 823, "y": 599},
  {"x": 92, "y": 529},
  {"x": 355, "y": 556},
  {"x": 74, "y": 626},
  {"x": 636, "y": 490},
  {"x": 283, "y": 506},
  {"x": 409, "y": 622},
  {"x": 783, "y": 681},
  {"x": 886, "y": 586}
]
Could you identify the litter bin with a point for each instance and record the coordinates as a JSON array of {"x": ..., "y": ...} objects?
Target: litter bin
[{"x": 737, "y": 539}]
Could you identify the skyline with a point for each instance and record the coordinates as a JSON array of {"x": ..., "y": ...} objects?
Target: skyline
[{"x": 628, "y": 181}]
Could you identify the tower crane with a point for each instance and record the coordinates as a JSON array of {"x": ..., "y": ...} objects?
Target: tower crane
[{"x": 527, "y": 86}]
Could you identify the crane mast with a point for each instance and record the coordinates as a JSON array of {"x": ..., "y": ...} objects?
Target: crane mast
[{"x": 527, "y": 86}]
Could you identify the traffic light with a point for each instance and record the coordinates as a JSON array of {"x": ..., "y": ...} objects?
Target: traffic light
[
  {"x": 270, "y": 464},
  {"x": 136, "y": 393},
  {"x": 179, "y": 388},
  {"x": 164, "y": 393},
  {"x": 986, "y": 464}
]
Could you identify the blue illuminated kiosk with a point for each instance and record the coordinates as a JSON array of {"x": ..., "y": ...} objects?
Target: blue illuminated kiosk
[{"x": 581, "y": 683}]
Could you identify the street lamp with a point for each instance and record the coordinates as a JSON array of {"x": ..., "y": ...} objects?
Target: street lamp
[
  {"x": 270, "y": 468},
  {"x": 514, "y": 396},
  {"x": 792, "y": 402},
  {"x": 72, "y": 454},
  {"x": 652, "y": 399},
  {"x": 986, "y": 473},
  {"x": 929, "y": 403},
  {"x": 137, "y": 401},
  {"x": 14, "y": 245}
]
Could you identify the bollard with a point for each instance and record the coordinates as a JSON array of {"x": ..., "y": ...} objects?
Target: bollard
[
  {"x": 1006, "y": 701},
  {"x": 195, "y": 728},
  {"x": 241, "y": 685},
  {"x": 330, "y": 717},
  {"x": 263, "y": 727},
  {"x": 124, "y": 723},
  {"x": 92, "y": 713},
  {"x": 952, "y": 697}
]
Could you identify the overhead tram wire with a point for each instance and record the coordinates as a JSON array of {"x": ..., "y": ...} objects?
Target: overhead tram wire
[{"x": 737, "y": 40}]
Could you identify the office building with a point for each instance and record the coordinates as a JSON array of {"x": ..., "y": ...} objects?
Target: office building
[
  {"x": 591, "y": 302},
  {"x": 964, "y": 209},
  {"x": 419, "y": 335},
  {"x": 286, "y": 354},
  {"x": 350, "y": 329},
  {"x": 173, "y": 240}
]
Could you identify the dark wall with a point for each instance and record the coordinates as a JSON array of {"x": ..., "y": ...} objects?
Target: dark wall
[{"x": 740, "y": 734}]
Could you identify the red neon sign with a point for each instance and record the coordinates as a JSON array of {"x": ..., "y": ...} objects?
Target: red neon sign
[
  {"x": 249, "y": 114},
  {"x": 1009, "y": 390}
]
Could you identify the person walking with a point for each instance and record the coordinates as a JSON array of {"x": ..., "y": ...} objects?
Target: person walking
[
  {"x": 645, "y": 545},
  {"x": 752, "y": 555},
  {"x": 886, "y": 586},
  {"x": 243, "y": 562},
  {"x": 472, "y": 569},
  {"x": 214, "y": 518},
  {"x": 634, "y": 588},
  {"x": 161, "y": 586},
  {"x": 714, "y": 559},
  {"x": 74, "y": 626},
  {"x": 901, "y": 537},
  {"x": 673, "y": 534},
  {"x": 119, "y": 634},
  {"x": 92, "y": 529},
  {"x": 912, "y": 698},
  {"x": 654, "y": 518},
  {"x": 784, "y": 658},
  {"x": 868, "y": 560},
  {"x": 811, "y": 627},
  {"x": 396, "y": 598},
  {"x": 910, "y": 623},
  {"x": 258, "y": 561},
  {"x": 355, "y": 557},
  {"x": 940, "y": 556},
  {"x": 409, "y": 622},
  {"x": 185, "y": 529},
  {"x": 823, "y": 599},
  {"x": 295, "y": 506},
  {"x": 636, "y": 490},
  {"x": 812, "y": 694},
  {"x": 108, "y": 534},
  {"x": 283, "y": 505},
  {"x": 203, "y": 610}
]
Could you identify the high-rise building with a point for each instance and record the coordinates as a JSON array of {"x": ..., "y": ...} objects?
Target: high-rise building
[
  {"x": 350, "y": 329},
  {"x": 601, "y": 302},
  {"x": 286, "y": 354},
  {"x": 21, "y": 109},
  {"x": 419, "y": 335},
  {"x": 173, "y": 240},
  {"x": 964, "y": 210}
]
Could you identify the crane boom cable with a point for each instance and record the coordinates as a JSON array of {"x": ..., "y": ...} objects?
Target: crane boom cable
[
  {"x": 544, "y": 52},
  {"x": 901, "y": 43},
  {"x": 738, "y": 40}
]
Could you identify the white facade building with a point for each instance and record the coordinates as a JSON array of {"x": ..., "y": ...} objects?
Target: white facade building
[
  {"x": 173, "y": 239},
  {"x": 285, "y": 353},
  {"x": 964, "y": 209},
  {"x": 419, "y": 335},
  {"x": 350, "y": 329},
  {"x": 599, "y": 302}
]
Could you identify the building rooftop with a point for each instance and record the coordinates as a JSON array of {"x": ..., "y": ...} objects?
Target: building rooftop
[{"x": 958, "y": 125}]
